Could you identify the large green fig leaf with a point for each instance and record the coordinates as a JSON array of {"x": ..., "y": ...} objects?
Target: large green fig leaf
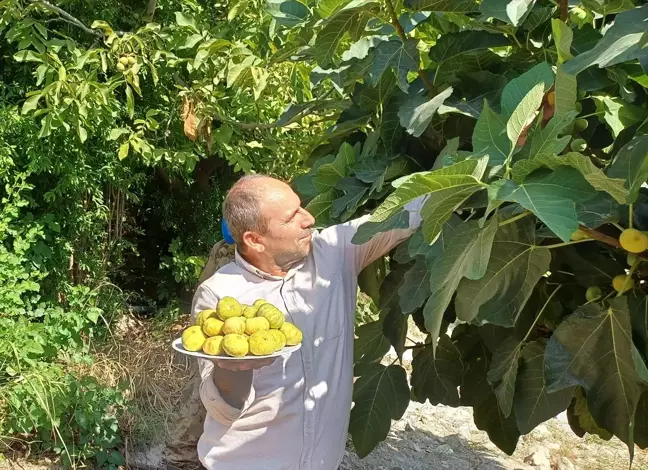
[{"x": 593, "y": 348}]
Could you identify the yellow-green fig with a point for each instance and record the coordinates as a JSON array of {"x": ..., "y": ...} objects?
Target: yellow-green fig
[
  {"x": 280, "y": 339},
  {"x": 250, "y": 311},
  {"x": 274, "y": 316},
  {"x": 193, "y": 338},
  {"x": 258, "y": 302},
  {"x": 228, "y": 307},
  {"x": 293, "y": 334},
  {"x": 262, "y": 343},
  {"x": 213, "y": 346},
  {"x": 252, "y": 325},
  {"x": 213, "y": 326},
  {"x": 235, "y": 345},
  {"x": 234, "y": 326},
  {"x": 204, "y": 315}
]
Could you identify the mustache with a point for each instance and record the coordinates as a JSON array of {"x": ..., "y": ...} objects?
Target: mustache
[{"x": 306, "y": 233}]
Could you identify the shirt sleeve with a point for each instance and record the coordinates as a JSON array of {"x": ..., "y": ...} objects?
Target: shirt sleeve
[
  {"x": 363, "y": 255},
  {"x": 214, "y": 403}
]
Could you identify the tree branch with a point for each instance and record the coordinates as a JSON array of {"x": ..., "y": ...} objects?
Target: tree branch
[
  {"x": 67, "y": 17},
  {"x": 600, "y": 236},
  {"x": 563, "y": 10},
  {"x": 401, "y": 33}
]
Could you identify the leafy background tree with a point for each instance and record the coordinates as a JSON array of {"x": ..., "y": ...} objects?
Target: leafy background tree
[{"x": 124, "y": 123}]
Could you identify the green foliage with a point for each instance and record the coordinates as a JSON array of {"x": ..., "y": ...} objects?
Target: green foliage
[
  {"x": 120, "y": 130},
  {"x": 519, "y": 127}
]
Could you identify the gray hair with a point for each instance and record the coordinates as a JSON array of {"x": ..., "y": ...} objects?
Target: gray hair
[{"x": 242, "y": 207}]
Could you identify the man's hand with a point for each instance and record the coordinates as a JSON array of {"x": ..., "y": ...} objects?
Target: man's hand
[
  {"x": 233, "y": 379},
  {"x": 239, "y": 366}
]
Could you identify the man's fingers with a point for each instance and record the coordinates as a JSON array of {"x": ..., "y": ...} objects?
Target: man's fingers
[{"x": 244, "y": 365}]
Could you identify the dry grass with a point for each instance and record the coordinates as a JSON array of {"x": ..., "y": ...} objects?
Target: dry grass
[{"x": 140, "y": 356}]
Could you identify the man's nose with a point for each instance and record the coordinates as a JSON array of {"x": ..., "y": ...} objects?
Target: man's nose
[{"x": 309, "y": 220}]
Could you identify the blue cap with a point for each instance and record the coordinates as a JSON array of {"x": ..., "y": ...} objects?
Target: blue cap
[{"x": 226, "y": 233}]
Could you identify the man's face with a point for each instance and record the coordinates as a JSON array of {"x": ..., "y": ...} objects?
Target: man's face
[{"x": 288, "y": 237}]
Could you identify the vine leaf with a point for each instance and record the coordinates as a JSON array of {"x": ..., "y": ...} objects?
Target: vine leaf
[
  {"x": 403, "y": 57},
  {"x": 380, "y": 394},
  {"x": 631, "y": 165},
  {"x": 454, "y": 6},
  {"x": 546, "y": 142},
  {"x": 439, "y": 183},
  {"x": 638, "y": 306},
  {"x": 453, "y": 47},
  {"x": 515, "y": 266},
  {"x": 617, "y": 113},
  {"x": 350, "y": 19},
  {"x": 476, "y": 392},
  {"x": 563, "y": 36},
  {"x": 510, "y": 11},
  {"x": 622, "y": 42},
  {"x": 533, "y": 404},
  {"x": 594, "y": 176},
  {"x": 466, "y": 254},
  {"x": 437, "y": 376},
  {"x": 371, "y": 345},
  {"x": 593, "y": 348},
  {"x": 369, "y": 229},
  {"x": 551, "y": 197},
  {"x": 503, "y": 372},
  {"x": 566, "y": 93},
  {"x": 416, "y": 286},
  {"x": 515, "y": 91},
  {"x": 490, "y": 138},
  {"x": 417, "y": 112},
  {"x": 524, "y": 113},
  {"x": 329, "y": 174}
]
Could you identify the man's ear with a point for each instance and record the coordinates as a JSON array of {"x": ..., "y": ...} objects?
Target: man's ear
[{"x": 252, "y": 242}]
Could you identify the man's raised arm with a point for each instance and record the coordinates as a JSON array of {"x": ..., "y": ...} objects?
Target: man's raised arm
[{"x": 381, "y": 243}]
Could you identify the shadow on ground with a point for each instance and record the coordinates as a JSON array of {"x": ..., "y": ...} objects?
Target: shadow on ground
[{"x": 416, "y": 449}]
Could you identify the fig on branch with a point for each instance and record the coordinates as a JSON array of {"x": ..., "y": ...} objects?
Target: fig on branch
[
  {"x": 620, "y": 281},
  {"x": 123, "y": 60},
  {"x": 580, "y": 124},
  {"x": 593, "y": 293},
  {"x": 579, "y": 235},
  {"x": 121, "y": 67},
  {"x": 631, "y": 258},
  {"x": 633, "y": 241},
  {"x": 131, "y": 60},
  {"x": 578, "y": 145}
]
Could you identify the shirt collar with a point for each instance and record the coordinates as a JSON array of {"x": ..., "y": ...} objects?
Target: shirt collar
[{"x": 262, "y": 274}]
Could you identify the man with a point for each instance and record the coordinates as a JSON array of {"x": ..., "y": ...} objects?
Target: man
[{"x": 290, "y": 413}]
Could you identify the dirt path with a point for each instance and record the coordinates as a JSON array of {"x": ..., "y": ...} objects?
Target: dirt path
[{"x": 440, "y": 437}]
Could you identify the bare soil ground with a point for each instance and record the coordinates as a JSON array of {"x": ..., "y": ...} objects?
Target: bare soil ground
[{"x": 425, "y": 438}]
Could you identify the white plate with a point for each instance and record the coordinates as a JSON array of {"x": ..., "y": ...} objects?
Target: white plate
[{"x": 177, "y": 345}]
